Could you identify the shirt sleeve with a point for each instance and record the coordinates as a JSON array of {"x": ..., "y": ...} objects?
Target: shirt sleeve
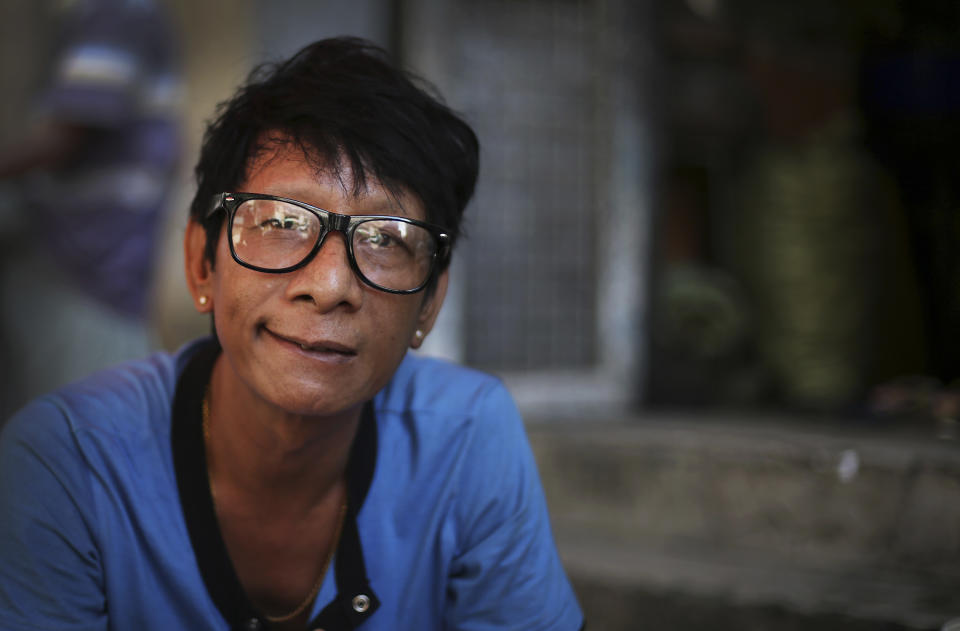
[
  {"x": 50, "y": 573},
  {"x": 507, "y": 573}
]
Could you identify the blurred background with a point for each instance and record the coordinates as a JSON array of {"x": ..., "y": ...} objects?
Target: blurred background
[{"x": 712, "y": 253}]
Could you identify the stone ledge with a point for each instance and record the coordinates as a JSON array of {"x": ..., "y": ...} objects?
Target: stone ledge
[
  {"x": 811, "y": 519},
  {"x": 742, "y": 580}
]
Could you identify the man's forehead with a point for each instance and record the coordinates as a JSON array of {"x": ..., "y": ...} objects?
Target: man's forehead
[{"x": 358, "y": 185}]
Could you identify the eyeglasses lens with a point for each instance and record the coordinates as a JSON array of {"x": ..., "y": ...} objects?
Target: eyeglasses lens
[
  {"x": 273, "y": 235},
  {"x": 393, "y": 254}
]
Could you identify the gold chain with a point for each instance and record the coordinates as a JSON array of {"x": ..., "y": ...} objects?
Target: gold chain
[
  {"x": 336, "y": 537},
  {"x": 323, "y": 571}
]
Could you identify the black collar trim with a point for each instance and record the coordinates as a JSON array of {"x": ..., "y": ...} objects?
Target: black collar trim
[{"x": 355, "y": 600}]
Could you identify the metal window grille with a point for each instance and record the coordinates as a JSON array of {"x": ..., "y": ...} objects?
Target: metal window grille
[{"x": 527, "y": 73}]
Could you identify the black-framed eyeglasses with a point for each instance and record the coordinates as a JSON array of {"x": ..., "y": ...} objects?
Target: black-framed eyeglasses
[{"x": 276, "y": 235}]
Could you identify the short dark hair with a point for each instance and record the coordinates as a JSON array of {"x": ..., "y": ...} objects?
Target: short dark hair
[{"x": 346, "y": 104}]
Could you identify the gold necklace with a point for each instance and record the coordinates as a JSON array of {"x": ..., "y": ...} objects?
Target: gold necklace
[
  {"x": 323, "y": 571},
  {"x": 336, "y": 537}
]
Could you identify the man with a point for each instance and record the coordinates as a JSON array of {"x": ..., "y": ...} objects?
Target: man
[{"x": 300, "y": 469}]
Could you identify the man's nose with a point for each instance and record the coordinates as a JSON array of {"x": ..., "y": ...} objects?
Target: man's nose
[{"x": 328, "y": 279}]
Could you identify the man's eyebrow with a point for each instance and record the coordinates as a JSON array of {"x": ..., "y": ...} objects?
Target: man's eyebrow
[
  {"x": 381, "y": 203},
  {"x": 377, "y": 204}
]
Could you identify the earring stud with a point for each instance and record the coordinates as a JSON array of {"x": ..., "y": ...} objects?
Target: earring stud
[
  {"x": 202, "y": 300},
  {"x": 419, "y": 334}
]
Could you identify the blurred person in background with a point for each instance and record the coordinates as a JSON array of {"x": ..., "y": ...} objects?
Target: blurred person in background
[
  {"x": 85, "y": 187},
  {"x": 299, "y": 469}
]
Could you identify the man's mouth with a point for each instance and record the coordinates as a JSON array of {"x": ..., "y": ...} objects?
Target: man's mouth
[{"x": 315, "y": 346}]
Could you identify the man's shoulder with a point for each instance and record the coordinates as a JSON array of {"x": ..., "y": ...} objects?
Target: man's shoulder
[
  {"x": 128, "y": 398},
  {"x": 432, "y": 384}
]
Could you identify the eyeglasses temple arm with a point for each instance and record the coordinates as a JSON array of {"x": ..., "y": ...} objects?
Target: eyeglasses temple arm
[
  {"x": 443, "y": 253},
  {"x": 215, "y": 204}
]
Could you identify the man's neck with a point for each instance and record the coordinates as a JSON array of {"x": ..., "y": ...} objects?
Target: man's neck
[{"x": 275, "y": 461}]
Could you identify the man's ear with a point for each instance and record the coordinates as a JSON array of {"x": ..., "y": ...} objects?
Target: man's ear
[
  {"x": 197, "y": 267},
  {"x": 430, "y": 309}
]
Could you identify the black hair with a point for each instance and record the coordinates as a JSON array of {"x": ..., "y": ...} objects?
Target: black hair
[{"x": 345, "y": 104}]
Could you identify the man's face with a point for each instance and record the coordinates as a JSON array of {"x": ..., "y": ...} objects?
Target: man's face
[{"x": 315, "y": 341}]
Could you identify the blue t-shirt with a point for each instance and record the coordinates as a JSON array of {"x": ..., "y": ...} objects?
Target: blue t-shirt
[{"x": 105, "y": 527}]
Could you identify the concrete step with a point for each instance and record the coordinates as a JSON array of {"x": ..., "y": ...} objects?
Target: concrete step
[{"x": 796, "y": 523}]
